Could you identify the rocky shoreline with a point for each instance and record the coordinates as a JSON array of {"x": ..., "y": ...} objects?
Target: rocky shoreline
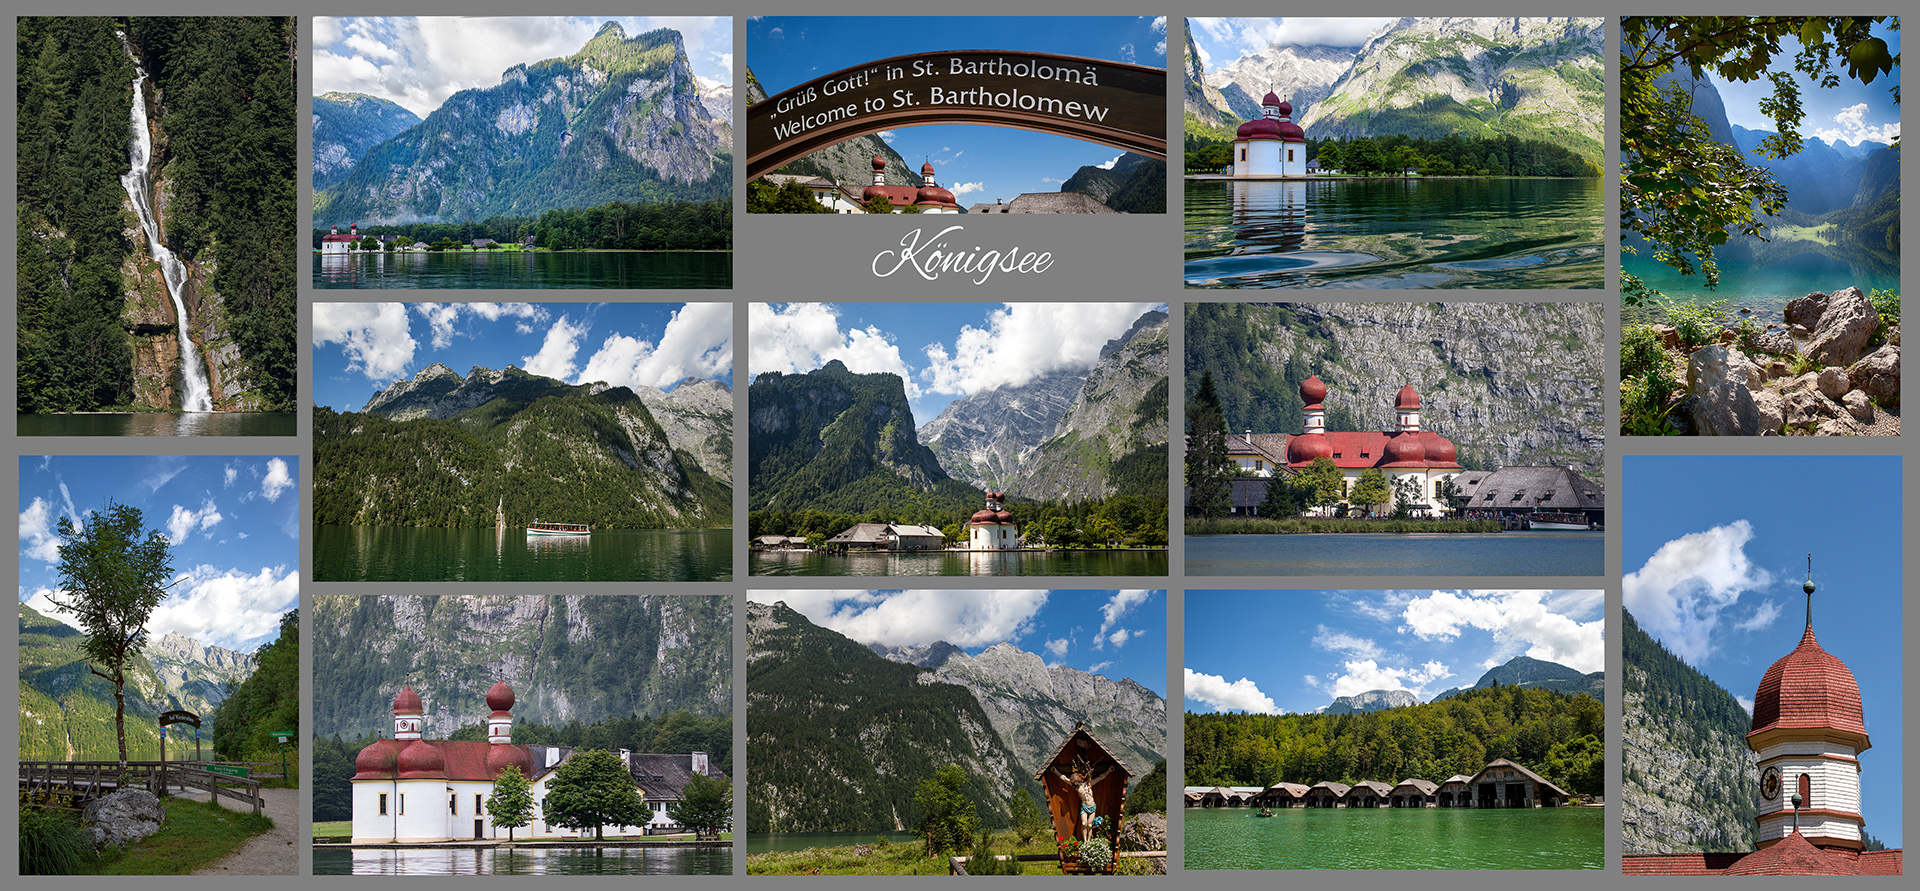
[{"x": 1831, "y": 368}]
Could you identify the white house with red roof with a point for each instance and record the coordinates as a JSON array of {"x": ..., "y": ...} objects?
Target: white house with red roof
[
  {"x": 335, "y": 243},
  {"x": 413, "y": 789},
  {"x": 928, "y": 196},
  {"x": 1406, "y": 453},
  {"x": 992, "y": 528},
  {"x": 1270, "y": 145}
]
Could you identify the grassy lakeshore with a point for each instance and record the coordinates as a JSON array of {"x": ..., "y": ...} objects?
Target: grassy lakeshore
[
  {"x": 908, "y": 859},
  {"x": 1298, "y": 525},
  {"x": 196, "y": 834}
]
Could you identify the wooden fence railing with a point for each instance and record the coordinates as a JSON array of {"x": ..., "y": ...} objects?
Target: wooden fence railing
[{"x": 93, "y": 779}]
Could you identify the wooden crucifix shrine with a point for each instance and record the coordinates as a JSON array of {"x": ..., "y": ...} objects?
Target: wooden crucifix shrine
[{"x": 1086, "y": 791}]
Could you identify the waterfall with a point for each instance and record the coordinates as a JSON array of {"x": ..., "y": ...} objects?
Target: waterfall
[{"x": 137, "y": 181}]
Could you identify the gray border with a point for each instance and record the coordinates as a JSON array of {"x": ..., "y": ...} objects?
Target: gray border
[{"x": 1136, "y": 260}]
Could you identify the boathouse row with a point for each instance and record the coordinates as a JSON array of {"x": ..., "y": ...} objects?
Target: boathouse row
[{"x": 1501, "y": 784}]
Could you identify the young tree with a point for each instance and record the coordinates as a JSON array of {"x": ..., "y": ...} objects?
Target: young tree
[
  {"x": 947, "y": 818},
  {"x": 878, "y": 204},
  {"x": 1450, "y": 495},
  {"x": 1209, "y": 470},
  {"x": 1321, "y": 481},
  {"x": 511, "y": 805},
  {"x": 1406, "y": 497},
  {"x": 1371, "y": 489},
  {"x": 1282, "y": 499},
  {"x": 593, "y": 790},
  {"x": 705, "y": 805},
  {"x": 111, "y": 579},
  {"x": 1028, "y": 820}
]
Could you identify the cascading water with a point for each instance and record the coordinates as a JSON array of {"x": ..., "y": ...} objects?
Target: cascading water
[{"x": 198, "y": 396}]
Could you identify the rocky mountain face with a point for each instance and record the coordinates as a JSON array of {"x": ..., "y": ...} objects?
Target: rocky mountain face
[
  {"x": 1539, "y": 78},
  {"x": 848, "y": 163},
  {"x": 1524, "y": 671},
  {"x": 697, "y": 416},
  {"x": 1688, "y": 780},
  {"x": 1134, "y": 184},
  {"x": 1509, "y": 383},
  {"x": 1057, "y": 435},
  {"x": 1819, "y": 178},
  {"x": 838, "y": 738},
  {"x": 506, "y": 445},
  {"x": 1120, "y": 410},
  {"x": 1033, "y": 707},
  {"x": 718, "y": 98},
  {"x": 173, "y": 672},
  {"x": 345, "y": 126},
  {"x": 1207, "y": 111},
  {"x": 567, "y": 658},
  {"x": 833, "y": 440},
  {"x": 1371, "y": 701},
  {"x": 622, "y": 119}
]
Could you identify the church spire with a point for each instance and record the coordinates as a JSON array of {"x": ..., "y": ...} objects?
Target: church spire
[{"x": 1808, "y": 587}]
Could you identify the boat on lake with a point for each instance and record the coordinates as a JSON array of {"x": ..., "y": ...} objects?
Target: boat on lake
[
  {"x": 1547, "y": 519},
  {"x": 538, "y": 528}
]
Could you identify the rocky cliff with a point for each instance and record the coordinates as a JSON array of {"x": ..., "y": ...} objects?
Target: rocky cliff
[
  {"x": 1509, "y": 383},
  {"x": 622, "y": 119},
  {"x": 345, "y": 126},
  {"x": 1207, "y": 112},
  {"x": 1033, "y": 707},
  {"x": 1370, "y": 701},
  {"x": 575, "y": 657},
  {"x": 1300, "y": 75},
  {"x": 838, "y": 738},
  {"x": 1688, "y": 780},
  {"x": 985, "y": 437},
  {"x": 698, "y": 418}
]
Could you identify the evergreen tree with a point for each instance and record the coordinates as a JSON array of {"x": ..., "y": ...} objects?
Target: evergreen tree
[
  {"x": 593, "y": 790},
  {"x": 511, "y": 805},
  {"x": 1209, "y": 469},
  {"x": 705, "y": 805},
  {"x": 1149, "y": 795}
]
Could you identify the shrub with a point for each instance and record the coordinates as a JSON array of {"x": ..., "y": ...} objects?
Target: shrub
[
  {"x": 1640, "y": 349},
  {"x": 982, "y": 862},
  {"x": 1886, "y": 304},
  {"x": 1696, "y": 323},
  {"x": 1643, "y": 403},
  {"x": 51, "y": 843}
]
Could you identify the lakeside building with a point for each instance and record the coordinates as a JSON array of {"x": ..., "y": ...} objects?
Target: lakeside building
[
  {"x": 928, "y": 196},
  {"x": 461, "y": 773},
  {"x": 335, "y": 243},
  {"x": 1500, "y": 784},
  {"x": 992, "y": 528},
  {"x": 887, "y": 537},
  {"x": 1270, "y": 145}
]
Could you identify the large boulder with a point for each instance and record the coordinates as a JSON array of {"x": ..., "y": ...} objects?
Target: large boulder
[
  {"x": 1805, "y": 311},
  {"x": 1144, "y": 832},
  {"x": 1718, "y": 402},
  {"x": 1773, "y": 411},
  {"x": 1845, "y": 326},
  {"x": 1833, "y": 383},
  {"x": 1859, "y": 406},
  {"x": 1878, "y": 375},
  {"x": 123, "y": 817}
]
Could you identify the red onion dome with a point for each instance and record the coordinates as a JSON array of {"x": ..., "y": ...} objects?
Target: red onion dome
[
  {"x": 1303, "y": 449},
  {"x": 1002, "y": 517},
  {"x": 1312, "y": 391},
  {"x": 1272, "y": 99},
  {"x": 1806, "y": 689},
  {"x": 1440, "y": 449},
  {"x": 926, "y": 170},
  {"x": 933, "y": 195},
  {"x": 407, "y": 702},
  {"x": 879, "y": 163},
  {"x": 422, "y": 760},
  {"x": 379, "y": 760},
  {"x": 1290, "y": 132},
  {"x": 1286, "y": 108},
  {"x": 499, "y": 758},
  {"x": 1407, "y": 449},
  {"x": 500, "y": 697},
  {"x": 981, "y": 516},
  {"x": 1259, "y": 128},
  {"x": 1407, "y": 398}
]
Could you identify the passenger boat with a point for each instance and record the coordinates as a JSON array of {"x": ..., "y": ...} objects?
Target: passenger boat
[
  {"x": 538, "y": 528},
  {"x": 1559, "y": 520}
]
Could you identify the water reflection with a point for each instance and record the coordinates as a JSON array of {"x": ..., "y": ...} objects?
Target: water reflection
[
  {"x": 154, "y": 423},
  {"x": 523, "y": 861}
]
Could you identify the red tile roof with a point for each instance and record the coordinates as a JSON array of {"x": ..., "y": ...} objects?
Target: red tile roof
[
  {"x": 1791, "y": 856},
  {"x": 1360, "y": 450},
  {"x": 1808, "y": 688},
  {"x": 464, "y": 759}
]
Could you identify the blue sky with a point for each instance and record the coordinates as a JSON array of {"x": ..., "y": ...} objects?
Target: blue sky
[
  {"x": 1847, "y": 113},
  {"x": 941, "y": 350},
  {"x": 1325, "y": 644},
  {"x": 976, "y": 163},
  {"x": 1114, "y": 634},
  {"x": 1715, "y": 553},
  {"x": 360, "y": 348},
  {"x": 417, "y": 62},
  {"x": 234, "y": 523}
]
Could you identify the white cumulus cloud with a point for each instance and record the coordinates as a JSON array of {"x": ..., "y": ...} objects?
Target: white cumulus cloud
[
  {"x": 1215, "y": 691},
  {"x": 555, "y": 358},
  {"x": 1521, "y": 622},
  {"x": 1021, "y": 341},
  {"x": 185, "y": 521},
  {"x": 1341, "y": 642},
  {"x": 227, "y": 607},
  {"x": 1362, "y": 675},
  {"x": 1853, "y": 128},
  {"x": 373, "y": 335},
  {"x": 801, "y": 337},
  {"x": 1685, "y": 591},
  {"x": 697, "y": 342},
  {"x": 278, "y": 479},
  {"x": 36, "y": 532},
  {"x": 908, "y": 618}
]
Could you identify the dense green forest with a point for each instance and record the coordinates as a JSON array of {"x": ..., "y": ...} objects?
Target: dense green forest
[
  {"x": 1139, "y": 522},
  {"x": 672, "y": 733},
  {"x": 1441, "y": 154},
  {"x": 222, "y": 105},
  {"x": 268, "y": 700},
  {"x": 618, "y": 226},
  {"x": 1556, "y": 735},
  {"x": 553, "y": 455},
  {"x": 1702, "y": 717},
  {"x": 51, "y": 664}
]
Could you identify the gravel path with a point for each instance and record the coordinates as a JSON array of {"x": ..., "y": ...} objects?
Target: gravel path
[{"x": 272, "y": 853}]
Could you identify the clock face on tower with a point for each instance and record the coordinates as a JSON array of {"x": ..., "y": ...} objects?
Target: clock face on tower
[{"x": 1770, "y": 783}]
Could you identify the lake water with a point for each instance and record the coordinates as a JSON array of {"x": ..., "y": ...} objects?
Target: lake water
[
  {"x": 768, "y": 842},
  {"x": 1396, "y": 233},
  {"x": 408, "y": 554},
  {"x": 623, "y": 861},
  {"x": 525, "y": 269},
  {"x": 160, "y": 423},
  {"x": 1764, "y": 289},
  {"x": 1415, "y": 553},
  {"x": 1396, "y": 838},
  {"x": 1144, "y": 563}
]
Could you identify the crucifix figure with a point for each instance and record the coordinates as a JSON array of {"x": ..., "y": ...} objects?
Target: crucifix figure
[{"x": 1082, "y": 780}]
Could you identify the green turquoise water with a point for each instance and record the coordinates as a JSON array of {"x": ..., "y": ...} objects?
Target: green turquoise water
[
  {"x": 1396, "y": 233},
  {"x": 1395, "y": 838},
  {"x": 408, "y": 554},
  {"x": 525, "y": 269}
]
